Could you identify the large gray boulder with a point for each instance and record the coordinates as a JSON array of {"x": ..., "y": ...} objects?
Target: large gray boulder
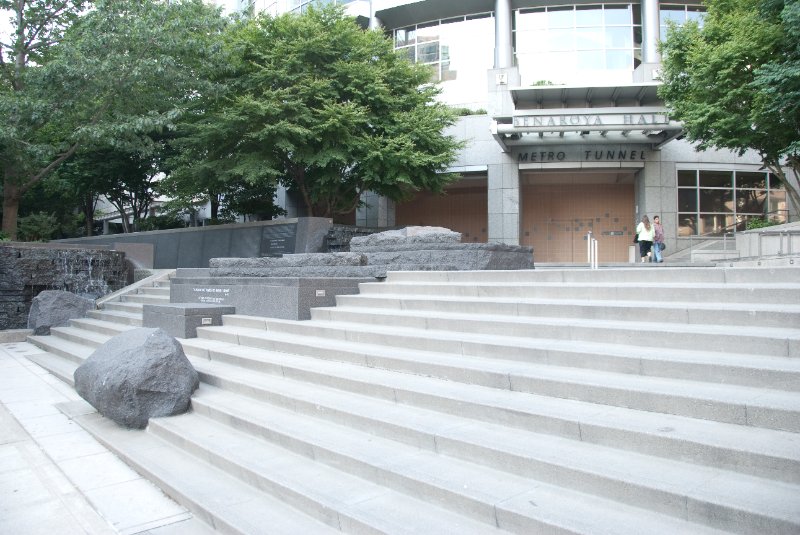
[
  {"x": 54, "y": 308},
  {"x": 136, "y": 375}
]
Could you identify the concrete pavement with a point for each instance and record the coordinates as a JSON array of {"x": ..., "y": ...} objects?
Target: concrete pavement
[{"x": 55, "y": 478}]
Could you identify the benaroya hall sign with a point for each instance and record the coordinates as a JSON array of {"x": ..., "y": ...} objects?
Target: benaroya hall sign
[{"x": 634, "y": 120}]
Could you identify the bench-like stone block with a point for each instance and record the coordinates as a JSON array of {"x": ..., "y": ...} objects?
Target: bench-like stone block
[{"x": 181, "y": 320}]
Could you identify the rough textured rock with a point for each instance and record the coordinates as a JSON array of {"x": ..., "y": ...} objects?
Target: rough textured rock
[
  {"x": 136, "y": 375},
  {"x": 407, "y": 235},
  {"x": 54, "y": 308}
]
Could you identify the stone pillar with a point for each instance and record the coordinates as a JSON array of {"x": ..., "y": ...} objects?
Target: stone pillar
[
  {"x": 650, "y": 31},
  {"x": 504, "y": 201}
]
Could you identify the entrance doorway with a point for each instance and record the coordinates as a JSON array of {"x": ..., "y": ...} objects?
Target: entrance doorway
[{"x": 560, "y": 208}]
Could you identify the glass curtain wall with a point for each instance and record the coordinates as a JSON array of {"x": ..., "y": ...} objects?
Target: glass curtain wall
[
  {"x": 572, "y": 45},
  {"x": 458, "y": 52},
  {"x": 278, "y": 7},
  {"x": 714, "y": 202},
  {"x": 679, "y": 14}
]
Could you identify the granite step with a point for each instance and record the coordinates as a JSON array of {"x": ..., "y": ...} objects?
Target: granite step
[
  {"x": 485, "y": 495},
  {"x": 755, "y": 451},
  {"x": 492, "y": 361},
  {"x": 125, "y": 318},
  {"x": 765, "y": 314},
  {"x": 754, "y": 339}
]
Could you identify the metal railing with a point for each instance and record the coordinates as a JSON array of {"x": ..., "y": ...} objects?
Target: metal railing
[
  {"x": 780, "y": 234},
  {"x": 591, "y": 250}
]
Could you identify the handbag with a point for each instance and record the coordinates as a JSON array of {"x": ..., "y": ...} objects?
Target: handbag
[
  {"x": 636, "y": 238},
  {"x": 663, "y": 246}
]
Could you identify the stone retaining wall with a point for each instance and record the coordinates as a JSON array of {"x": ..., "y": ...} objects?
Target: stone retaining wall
[{"x": 27, "y": 269}]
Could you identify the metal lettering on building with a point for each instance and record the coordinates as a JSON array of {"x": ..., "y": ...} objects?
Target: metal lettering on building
[{"x": 582, "y": 155}]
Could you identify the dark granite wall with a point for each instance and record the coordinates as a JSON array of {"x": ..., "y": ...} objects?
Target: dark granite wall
[{"x": 27, "y": 269}]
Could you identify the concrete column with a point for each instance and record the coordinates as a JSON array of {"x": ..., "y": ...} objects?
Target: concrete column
[
  {"x": 504, "y": 201},
  {"x": 503, "y": 50},
  {"x": 650, "y": 31}
]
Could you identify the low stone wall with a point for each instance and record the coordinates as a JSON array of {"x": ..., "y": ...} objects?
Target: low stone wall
[{"x": 27, "y": 269}]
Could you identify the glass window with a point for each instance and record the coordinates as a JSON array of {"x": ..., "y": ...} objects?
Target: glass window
[
  {"x": 405, "y": 36},
  {"x": 716, "y": 200},
  {"x": 716, "y": 179},
  {"x": 687, "y": 224},
  {"x": 751, "y": 180},
  {"x": 588, "y": 16},
  {"x": 716, "y": 223},
  {"x": 530, "y": 20},
  {"x": 687, "y": 178},
  {"x": 687, "y": 200},
  {"x": 589, "y": 39},
  {"x": 561, "y": 17},
  {"x": 619, "y": 37},
  {"x": 775, "y": 182},
  {"x": 428, "y": 52},
  {"x": 560, "y": 40},
  {"x": 589, "y": 59},
  {"x": 751, "y": 201},
  {"x": 618, "y": 15},
  {"x": 619, "y": 59}
]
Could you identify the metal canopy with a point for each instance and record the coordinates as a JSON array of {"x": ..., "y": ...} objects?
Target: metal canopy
[{"x": 578, "y": 115}]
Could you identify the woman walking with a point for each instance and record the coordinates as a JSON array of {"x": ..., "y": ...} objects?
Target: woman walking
[
  {"x": 658, "y": 240},
  {"x": 646, "y": 233}
]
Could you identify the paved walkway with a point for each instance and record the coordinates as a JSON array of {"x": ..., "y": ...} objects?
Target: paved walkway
[{"x": 55, "y": 478}]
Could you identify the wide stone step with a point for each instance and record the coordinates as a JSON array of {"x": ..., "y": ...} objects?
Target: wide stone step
[
  {"x": 89, "y": 339},
  {"x": 123, "y": 318},
  {"x": 616, "y": 275},
  {"x": 212, "y": 495},
  {"x": 494, "y": 362},
  {"x": 70, "y": 350},
  {"x": 754, "y": 451},
  {"x": 757, "y": 340},
  {"x": 335, "y": 497},
  {"x": 712, "y": 293},
  {"x": 485, "y": 494},
  {"x": 160, "y": 291},
  {"x": 99, "y": 326},
  {"x": 123, "y": 306},
  {"x": 145, "y": 299},
  {"x": 60, "y": 366},
  {"x": 747, "y": 314}
]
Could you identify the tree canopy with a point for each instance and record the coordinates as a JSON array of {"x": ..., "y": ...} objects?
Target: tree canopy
[
  {"x": 110, "y": 76},
  {"x": 323, "y": 107},
  {"x": 734, "y": 81}
]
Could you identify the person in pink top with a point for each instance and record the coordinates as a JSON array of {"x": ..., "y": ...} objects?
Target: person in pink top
[{"x": 658, "y": 241}]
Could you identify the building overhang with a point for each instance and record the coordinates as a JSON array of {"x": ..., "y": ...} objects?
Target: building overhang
[
  {"x": 572, "y": 115},
  {"x": 423, "y": 11}
]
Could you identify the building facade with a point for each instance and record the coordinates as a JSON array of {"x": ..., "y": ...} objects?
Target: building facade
[{"x": 565, "y": 132}]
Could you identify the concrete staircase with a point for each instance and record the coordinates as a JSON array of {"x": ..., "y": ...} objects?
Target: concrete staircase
[{"x": 632, "y": 400}]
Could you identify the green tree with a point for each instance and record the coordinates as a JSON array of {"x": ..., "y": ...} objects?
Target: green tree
[
  {"x": 325, "y": 108},
  {"x": 112, "y": 75},
  {"x": 734, "y": 82}
]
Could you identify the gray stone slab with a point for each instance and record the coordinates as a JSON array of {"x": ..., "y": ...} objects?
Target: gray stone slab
[
  {"x": 275, "y": 297},
  {"x": 181, "y": 320}
]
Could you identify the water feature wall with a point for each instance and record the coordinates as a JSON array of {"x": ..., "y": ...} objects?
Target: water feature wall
[{"x": 27, "y": 269}]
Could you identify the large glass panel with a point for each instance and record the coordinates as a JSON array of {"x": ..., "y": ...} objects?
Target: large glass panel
[
  {"x": 751, "y": 180},
  {"x": 410, "y": 53},
  {"x": 777, "y": 208},
  {"x": 530, "y": 42},
  {"x": 687, "y": 178},
  {"x": 696, "y": 13},
  {"x": 530, "y": 20},
  {"x": 619, "y": 37},
  {"x": 405, "y": 36},
  {"x": 467, "y": 52},
  {"x": 716, "y": 179},
  {"x": 589, "y": 59},
  {"x": 588, "y": 16},
  {"x": 560, "y": 39},
  {"x": 751, "y": 201},
  {"x": 619, "y": 59},
  {"x": 676, "y": 14},
  {"x": 687, "y": 200},
  {"x": 775, "y": 182},
  {"x": 589, "y": 39},
  {"x": 716, "y": 223},
  {"x": 561, "y": 17},
  {"x": 687, "y": 224},
  {"x": 618, "y": 14},
  {"x": 428, "y": 52},
  {"x": 428, "y": 32},
  {"x": 716, "y": 200}
]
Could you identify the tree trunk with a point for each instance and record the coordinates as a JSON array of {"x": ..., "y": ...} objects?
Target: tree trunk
[
  {"x": 11, "y": 198},
  {"x": 214, "y": 199}
]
